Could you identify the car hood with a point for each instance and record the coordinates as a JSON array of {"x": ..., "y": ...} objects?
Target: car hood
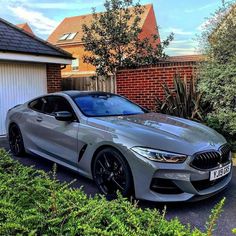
[{"x": 162, "y": 131}]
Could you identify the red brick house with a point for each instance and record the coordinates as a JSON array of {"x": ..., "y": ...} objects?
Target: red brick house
[
  {"x": 29, "y": 67},
  {"x": 68, "y": 36}
]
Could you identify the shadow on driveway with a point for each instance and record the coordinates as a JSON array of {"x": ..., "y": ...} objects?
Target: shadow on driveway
[{"x": 194, "y": 213}]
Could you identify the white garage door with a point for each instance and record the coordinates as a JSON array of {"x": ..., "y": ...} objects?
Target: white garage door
[{"x": 19, "y": 83}]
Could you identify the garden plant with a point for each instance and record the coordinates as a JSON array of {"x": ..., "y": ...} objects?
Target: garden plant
[{"x": 33, "y": 202}]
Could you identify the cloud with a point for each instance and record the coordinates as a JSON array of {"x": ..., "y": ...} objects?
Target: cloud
[
  {"x": 207, "y": 6},
  {"x": 34, "y": 12},
  {"x": 185, "y": 42},
  {"x": 178, "y": 31},
  {"x": 42, "y": 24},
  {"x": 80, "y": 5},
  {"x": 182, "y": 47},
  {"x": 181, "y": 51},
  {"x": 54, "y": 5}
]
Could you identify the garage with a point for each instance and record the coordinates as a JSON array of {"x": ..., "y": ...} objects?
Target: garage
[
  {"x": 19, "y": 83},
  {"x": 29, "y": 67}
]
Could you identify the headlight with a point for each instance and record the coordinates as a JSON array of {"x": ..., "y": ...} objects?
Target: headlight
[{"x": 160, "y": 156}]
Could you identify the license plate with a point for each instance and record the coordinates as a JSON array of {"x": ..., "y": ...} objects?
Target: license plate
[{"x": 216, "y": 174}]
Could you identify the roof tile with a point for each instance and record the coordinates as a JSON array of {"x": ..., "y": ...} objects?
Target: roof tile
[
  {"x": 185, "y": 58},
  {"x": 14, "y": 39}
]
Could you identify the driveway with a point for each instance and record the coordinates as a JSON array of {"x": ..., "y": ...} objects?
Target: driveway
[{"x": 194, "y": 213}]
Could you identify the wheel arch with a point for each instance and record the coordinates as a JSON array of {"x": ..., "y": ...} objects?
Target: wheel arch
[
  {"x": 11, "y": 124},
  {"x": 102, "y": 147},
  {"x": 21, "y": 146}
]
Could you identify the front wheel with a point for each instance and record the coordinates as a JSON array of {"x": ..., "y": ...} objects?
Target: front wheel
[
  {"x": 111, "y": 173},
  {"x": 16, "y": 141}
]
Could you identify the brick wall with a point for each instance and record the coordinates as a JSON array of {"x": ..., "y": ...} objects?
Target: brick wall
[
  {"x": 54, "y": 78},
  {"x": 143, "y": 85}
]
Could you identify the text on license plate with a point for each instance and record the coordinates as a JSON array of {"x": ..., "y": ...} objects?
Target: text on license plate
[{"x": 216, "y": 174}]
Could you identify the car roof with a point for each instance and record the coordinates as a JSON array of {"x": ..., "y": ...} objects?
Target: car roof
[{"x": 76, "y": 93}]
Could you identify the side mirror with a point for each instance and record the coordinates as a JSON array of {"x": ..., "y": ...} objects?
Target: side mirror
[{"x": 64, "y": 116}]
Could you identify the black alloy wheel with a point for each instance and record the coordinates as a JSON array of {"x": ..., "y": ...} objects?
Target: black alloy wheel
[
  {"x": 111, "y": 173},
  {"x": 16, "y": 141}
]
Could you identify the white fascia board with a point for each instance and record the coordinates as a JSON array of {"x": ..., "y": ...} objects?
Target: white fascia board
[{"x": 34, "y": 58}]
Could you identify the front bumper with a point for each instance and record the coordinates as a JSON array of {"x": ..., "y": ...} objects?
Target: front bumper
[{"x": 183, "y": 182}]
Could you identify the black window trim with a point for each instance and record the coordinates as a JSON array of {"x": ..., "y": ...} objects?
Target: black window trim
[{"x": 49, "y": 114}]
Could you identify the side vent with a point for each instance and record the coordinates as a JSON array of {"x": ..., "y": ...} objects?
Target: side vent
[{"x": 82, "y": 152}]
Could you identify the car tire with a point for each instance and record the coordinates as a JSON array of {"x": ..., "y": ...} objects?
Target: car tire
[
  {"x": 112, "y": 173},
  {"x": 16, "y": 142}
]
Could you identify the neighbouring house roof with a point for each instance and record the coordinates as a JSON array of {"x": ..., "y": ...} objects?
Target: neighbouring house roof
[
  {"x": 26, "y": 28},
  {"x": 185, "y": 58},
  {"x": 16, "y": 40},
  {"x": 74, "y": 25}
]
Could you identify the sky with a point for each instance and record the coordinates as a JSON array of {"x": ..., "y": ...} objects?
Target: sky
[{"x": 185, "y": 18}]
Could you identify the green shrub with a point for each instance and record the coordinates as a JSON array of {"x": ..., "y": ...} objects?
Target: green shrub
[
  {"x": 215, "y": 214},
  {"x": 217, "y": 75},
  {"x": 182, "y": 101},
  {"x": 35, "y": 203}
]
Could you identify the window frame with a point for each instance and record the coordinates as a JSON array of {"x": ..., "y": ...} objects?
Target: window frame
[
  {"x": 64, "y": 36},
  {"x": 37, "y": 99},
  {"x": 71, "y": 36},
  {"x": 75, "y": 68},
  {"x": 50, "y": 114},
  {"x": 68, "y": 36}
]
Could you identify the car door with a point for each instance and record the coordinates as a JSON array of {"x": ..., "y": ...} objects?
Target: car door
[
  {"x": 33, "y": 134},
  {"x": 58, "y": 139}
]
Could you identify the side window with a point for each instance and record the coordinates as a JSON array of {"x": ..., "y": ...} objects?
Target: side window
[
  {"x": 56, "y": 104},
  {"x": 37, "y": 105}
]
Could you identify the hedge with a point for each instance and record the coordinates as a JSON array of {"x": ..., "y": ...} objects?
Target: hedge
[{"x": 33, "y": 202}]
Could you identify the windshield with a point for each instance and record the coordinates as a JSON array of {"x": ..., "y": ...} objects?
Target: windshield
[{"x": 106, "y": 105}]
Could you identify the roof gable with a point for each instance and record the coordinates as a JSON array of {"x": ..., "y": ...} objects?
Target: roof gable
[
  {"x": 74, "y": 25},
  {"x": 14, "y": 39},
  {"x": 26, "y": 28}
]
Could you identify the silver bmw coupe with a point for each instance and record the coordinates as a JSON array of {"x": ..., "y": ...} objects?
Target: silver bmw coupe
[{"x": 122, "y": 146}]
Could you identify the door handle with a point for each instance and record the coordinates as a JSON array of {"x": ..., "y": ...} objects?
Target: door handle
[{"x": 39, "y": 119}]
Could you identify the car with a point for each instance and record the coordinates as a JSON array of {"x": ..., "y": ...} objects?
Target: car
[{"x": 122, "y": 146}]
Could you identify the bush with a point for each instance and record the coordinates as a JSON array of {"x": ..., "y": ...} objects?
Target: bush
[
  {"x": 217, "y": 75},
  {"x": 182, "y": 101},
  {"x": 34, "y": 203}
]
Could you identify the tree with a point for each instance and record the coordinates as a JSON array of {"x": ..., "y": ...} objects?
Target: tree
[
  {"x": 217, "y": 75},
  {"x": 112, "y": 40}
]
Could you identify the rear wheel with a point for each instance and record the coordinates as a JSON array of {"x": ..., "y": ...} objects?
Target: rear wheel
[
  {"x": 111, "y": 173},
  {"x": 16, "y": 141}
]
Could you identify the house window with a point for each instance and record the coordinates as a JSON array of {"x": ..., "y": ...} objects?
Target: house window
[
  {"x": 75, "y": 64},
  {"x": 71, "y": 36},
  {"x": 68, "y": 36},
  {"x": 64, "y": 36}
]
